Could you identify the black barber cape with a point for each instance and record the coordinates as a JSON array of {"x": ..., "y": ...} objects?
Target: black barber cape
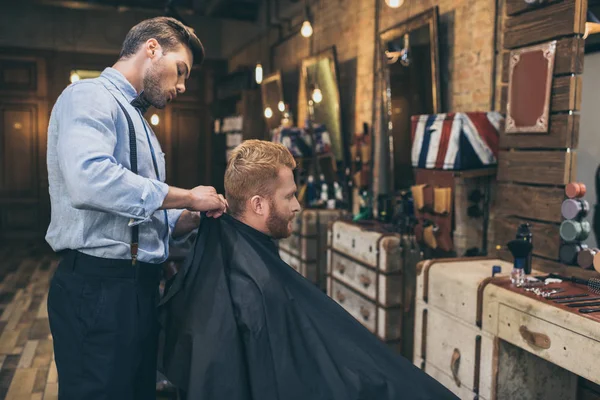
[{"x": 240, "y": 324}]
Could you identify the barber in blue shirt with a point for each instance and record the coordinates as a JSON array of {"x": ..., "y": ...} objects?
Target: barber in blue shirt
[{"x": 113, "y": 216}]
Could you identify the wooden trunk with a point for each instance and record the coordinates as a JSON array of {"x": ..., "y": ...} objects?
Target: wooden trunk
[
  {"x": 449, "y": 342},
  {"x": 306, "y": 249},
  {"x": 369, "y": 275}
]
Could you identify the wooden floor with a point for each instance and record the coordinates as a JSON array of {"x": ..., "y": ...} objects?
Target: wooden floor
[{"x": 27, "y": 369}]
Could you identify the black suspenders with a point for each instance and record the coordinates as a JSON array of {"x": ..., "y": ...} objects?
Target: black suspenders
[{"x": 135, "y": 230}]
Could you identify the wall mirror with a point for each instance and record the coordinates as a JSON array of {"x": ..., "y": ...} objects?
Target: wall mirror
[
  {"x": 411, "y": 86},
  {"x": 319, "y": 98},
  {"x": 272, "y": 100}
]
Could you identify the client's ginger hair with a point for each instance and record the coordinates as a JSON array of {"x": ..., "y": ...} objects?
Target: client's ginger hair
[{"x": 252, "y": 169}]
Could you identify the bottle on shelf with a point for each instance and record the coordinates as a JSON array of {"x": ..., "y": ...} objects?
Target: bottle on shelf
[
  {"x": 324, "y": 189},
  {"x": 311, "y": 191}
]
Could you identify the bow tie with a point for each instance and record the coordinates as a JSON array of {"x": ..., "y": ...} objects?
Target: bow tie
[{"x": 141, "y": 103}]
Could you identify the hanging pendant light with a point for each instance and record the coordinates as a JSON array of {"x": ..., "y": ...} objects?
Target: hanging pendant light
[
  {"x": 317, "y": 95},
  {"x": 394, "y": 3},
  {"x": 307, "y": 29},
  {"x": 258, "y": 73},
  {"x": 268, "y": 112}
]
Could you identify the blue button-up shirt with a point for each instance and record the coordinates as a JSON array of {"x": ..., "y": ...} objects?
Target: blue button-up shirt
[{"x": 95, "y": 198}]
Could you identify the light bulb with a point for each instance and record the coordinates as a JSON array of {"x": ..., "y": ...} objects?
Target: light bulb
[
  {"x": 74, "y": 77},
  {"x": 394, "y": 3},
  {"x": 258, "y": 72},
  {"x": 306, "y": 29},
  {"x": 268, "y": 112},
  {"x": 281, "y": 106},
  {"x": 317, "y": 96},
  {"x": 154, "y": 120}
]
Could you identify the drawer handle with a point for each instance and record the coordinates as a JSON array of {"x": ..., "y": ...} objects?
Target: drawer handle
[
  {"x": 365, "y": 313},
  {"x": 535, "y": 339},
  {"x": 340, "y": 296},
  {"x": 454, "y": 365},
  {"x": 534, "y": 2},
  {"x": 340, "y": 267},
  {"x": 365, "y": 280}
]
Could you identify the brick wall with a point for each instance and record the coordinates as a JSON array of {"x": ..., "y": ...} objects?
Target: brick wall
[{"x": 466, "y": 34}]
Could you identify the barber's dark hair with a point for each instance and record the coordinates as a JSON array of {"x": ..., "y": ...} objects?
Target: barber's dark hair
[{"x": 168, "y": 32}]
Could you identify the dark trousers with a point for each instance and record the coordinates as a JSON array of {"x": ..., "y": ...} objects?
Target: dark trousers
[{"x": 103, "y": 320}]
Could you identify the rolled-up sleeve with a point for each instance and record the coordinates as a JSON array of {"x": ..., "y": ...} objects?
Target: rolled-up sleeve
[{"x": 86, "y": 143}]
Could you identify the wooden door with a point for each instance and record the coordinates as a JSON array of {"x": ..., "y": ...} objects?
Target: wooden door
[{"x": 23, "y": 122}]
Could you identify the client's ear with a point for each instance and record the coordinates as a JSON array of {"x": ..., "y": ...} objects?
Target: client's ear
[{"x": 257, "y": 205}]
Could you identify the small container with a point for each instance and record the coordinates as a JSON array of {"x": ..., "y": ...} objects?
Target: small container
[
  {"x": 569, "y": 251},
  {"x": 575, "y": 208},
  {"x": 517, "y": 275},
  {"x": 574, "y": 231},
  {"x": 585, "y": 258},
  {"x": 575, "y": 190},
  {"x": 496, "y": 269}
]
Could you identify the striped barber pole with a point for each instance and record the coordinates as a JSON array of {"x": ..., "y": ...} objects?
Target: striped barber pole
[{"x": 455, "y": 141}]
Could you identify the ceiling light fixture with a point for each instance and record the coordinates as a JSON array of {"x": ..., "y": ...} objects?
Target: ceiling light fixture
[{"x": 394, "y": 3}]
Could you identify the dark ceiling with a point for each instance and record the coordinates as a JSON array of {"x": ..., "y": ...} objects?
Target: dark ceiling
[{"x": 246, "y": 10}]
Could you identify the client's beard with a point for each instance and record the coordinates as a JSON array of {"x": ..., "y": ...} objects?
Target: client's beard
[{"x": 277, "y": 224}]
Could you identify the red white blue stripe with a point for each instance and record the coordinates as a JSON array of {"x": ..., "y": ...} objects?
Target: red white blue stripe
[{"x": 455, "y": 140}]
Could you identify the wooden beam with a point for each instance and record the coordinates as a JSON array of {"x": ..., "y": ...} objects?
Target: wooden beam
[
  {"x": 546, "y": 236},
  {"x": 565, "y": 96},
  {"x": 535, "y": 202},
  {"x": 566, "y": 93},
  {"x": 538, "y": 167},
  {"x": 568, "y": 59},
  {"x": 554, "y": 21},
  {"x": 563, "y": 133}
]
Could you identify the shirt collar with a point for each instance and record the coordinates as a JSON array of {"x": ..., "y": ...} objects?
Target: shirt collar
[{"x": 120, "y": 82}]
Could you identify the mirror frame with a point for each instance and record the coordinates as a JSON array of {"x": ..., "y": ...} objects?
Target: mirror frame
[
  {"x": 273, "y": 77},
  {"x": 428, "y": 17},
  {"x": 331, "y": 54}
]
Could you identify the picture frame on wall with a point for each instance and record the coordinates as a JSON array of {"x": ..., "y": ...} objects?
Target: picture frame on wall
[{"x": 529, "y": 88}]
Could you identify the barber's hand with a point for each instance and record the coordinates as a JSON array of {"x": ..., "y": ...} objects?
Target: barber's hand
[{"x": 205, "y": 198}]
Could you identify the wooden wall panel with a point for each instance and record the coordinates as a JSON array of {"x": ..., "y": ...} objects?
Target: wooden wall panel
[
  {"x": 18, "y": 153},
  {"x": 535, "y": 202},
  {"x": 538, "y": 167},
  {"x": 190, "y": 145},
  {"x": 518, "y": 6},
  {"x": 565, "y": 95},
  {"x": 549, "y": 266},
  {"x": 533, "y": 172},
  {"x": 568, "y": 60},
  {"x": 563, "y": 131},
  {"x": 546, "y": 237},
  {"x": 542, "y": 24}
]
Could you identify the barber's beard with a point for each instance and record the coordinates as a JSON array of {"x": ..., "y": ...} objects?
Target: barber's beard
[
  {"x": 277, "y": 223},
  {"x": 153, "y": 93}
]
